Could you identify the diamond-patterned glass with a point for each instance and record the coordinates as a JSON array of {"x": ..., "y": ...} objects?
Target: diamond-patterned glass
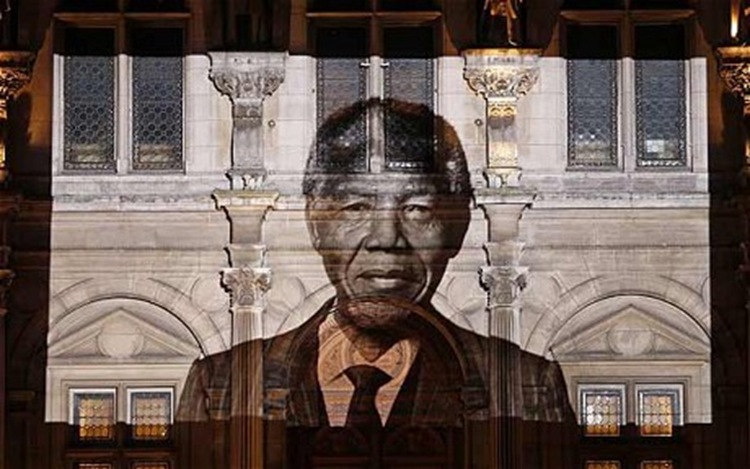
[
  {"x": 602, "y": 465},
  {"x": 342, "y": 82},
  {"x": 660, "y": 113},
  {"x": 592, "y": 113},
  {"x": 89, "y": 113},
  {"x": 150, "y": 414},
  {"x": 658, "y": 411},
  {"x": 602, "y": 411},
  {"x": 94, "y": 415},
  {"x": 657, "y": 465},
  {"x": 157, "y": 113}
]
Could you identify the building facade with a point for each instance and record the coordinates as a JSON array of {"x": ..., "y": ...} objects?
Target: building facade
[{"x": 154, "y": 211}]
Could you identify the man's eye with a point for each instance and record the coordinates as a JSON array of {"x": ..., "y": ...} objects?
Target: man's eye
[
  {"x": 356, "y": 207},
  {"x": 417, "y": 211}
]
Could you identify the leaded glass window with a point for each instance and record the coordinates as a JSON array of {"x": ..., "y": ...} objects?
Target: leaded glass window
[
  {"x": 150, "y": 412},
  {"x": 157, "y": 99},
  {"x": 592, "y": 96},
  {"x": 602, "y": 409},
  {"x": 341, "y": 81},
  {"x": 93, "y": 413},
  {"x": 659, "y": 409},
  {"x": 89, "y": 100},
  {"x": 657, "y": 465},
  {"x": 602, "y": 465}
]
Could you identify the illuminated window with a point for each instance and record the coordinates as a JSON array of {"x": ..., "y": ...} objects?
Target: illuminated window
[
  {"x": 602, "y": 464},
  {"x": 151, "y": 465},
  {"x": 657, "y": 465},
  {"x": 92, "y": 412},
  {"x": 602, "y": 409},
  {"x": 659, "y": 409},
  {"x": 150, "y": 413},
  {"x": 93, "y": 465}
]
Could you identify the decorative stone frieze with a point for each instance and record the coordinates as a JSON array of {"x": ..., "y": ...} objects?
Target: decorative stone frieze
[
  {"x": 247, "y": 78},
  {"x": 734, "y": 69},
  {"x": 501, "y": 76}
]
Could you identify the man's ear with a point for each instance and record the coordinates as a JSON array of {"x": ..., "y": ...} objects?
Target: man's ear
[{"x": 312, "y": 225}]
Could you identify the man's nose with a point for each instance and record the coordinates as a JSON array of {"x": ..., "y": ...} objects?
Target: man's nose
[{"x": 386, "y": 231}]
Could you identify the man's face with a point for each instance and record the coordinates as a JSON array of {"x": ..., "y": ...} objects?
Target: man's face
[{"x": 382, "y": 235}]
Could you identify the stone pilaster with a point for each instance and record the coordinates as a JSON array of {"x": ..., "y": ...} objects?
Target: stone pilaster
[
  {"x": 248, "y": 280},
  {"x": 247, "y": 78},
  {"x": 15, "y": 72},
  {"x": 502, "y": 77}
]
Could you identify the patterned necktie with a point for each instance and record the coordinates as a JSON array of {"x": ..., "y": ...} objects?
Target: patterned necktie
[{"x": 367, "y": 381}]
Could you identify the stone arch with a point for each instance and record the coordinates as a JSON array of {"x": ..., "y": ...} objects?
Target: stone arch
[
  {"x": 158, "y": 294},
  {"x": 578, "y": 298}
]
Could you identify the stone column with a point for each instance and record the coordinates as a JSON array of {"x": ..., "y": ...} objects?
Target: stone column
[
  {"x": 504, "y": 277},
  {"x": 247, "y": 279},
  {"x": 502, "y": 76},
  {"x": 247, "y": 78},
  {"x": 15, "y": 72}
]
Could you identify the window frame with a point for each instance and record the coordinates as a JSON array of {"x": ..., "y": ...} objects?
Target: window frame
[
  {"x": 122, "y": 22},
  {"x": 626, "y": 21}
]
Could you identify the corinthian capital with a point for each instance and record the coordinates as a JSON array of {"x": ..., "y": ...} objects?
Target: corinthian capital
[
  {"x": 247, "y": 75},
  {"x": 503, "y": 284},
  {"x": 501, "y": 73},
  {"x": 15, "y": 72},
  {"x": 248, "y": 287},
  {"x": 734, "y": 69}
]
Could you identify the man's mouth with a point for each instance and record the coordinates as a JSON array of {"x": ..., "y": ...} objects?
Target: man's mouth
[{"x": 387, "y": 279}]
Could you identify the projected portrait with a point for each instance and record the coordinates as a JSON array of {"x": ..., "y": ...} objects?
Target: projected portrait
[{"x": 378, "y": 375}]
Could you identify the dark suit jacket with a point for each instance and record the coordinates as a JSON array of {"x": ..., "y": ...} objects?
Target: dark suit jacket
[{"x": 449, "y": 384}]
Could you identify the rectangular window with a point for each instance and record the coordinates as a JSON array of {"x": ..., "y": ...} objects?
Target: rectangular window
[
  {"x": 92, "y": 413},
  {"x": 602, "y": 408},
  {"x": 157, "y": 77},
  {"x": 151, "y": 465},
  {"x": 660, "y": 95},
  {"x": 93, "y": 465},
  {"x": 89, "y": 99},
  {"x": 150, "y": 413},
  {"x": 659, "y": 409},
  {"x": 592, "y": 96},
  {"x": 657, "y": 465},
  {"x": 602, "y": 465}
]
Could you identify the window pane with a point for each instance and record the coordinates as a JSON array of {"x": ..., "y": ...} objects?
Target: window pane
[
  {"x": 342, "y": 81},
  {"x": 89, "y": 100},
  {"x": 657, "y": 465},
  {"x": 660, "y": 113},
  {"x": 602, "y": 465},
  {"x": 157, "y": 99},
  {"x": 592, "y": 113},
  {"x": 151, "y": 465},
  {"x": 150, "y": 414},
  {"x": 659, "y": 411},
  {"x": 94, "y": 414},
  {"x": 602, "y": 410},
  {"x": 93, "y": 465}
]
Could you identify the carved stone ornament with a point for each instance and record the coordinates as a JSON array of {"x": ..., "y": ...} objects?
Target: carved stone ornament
[
  {"x": 247, "y": 76},
  {"x": 734, "y": 69},
  {"x": 501, "y": 73},
  {"x": 503, "y": 284},
  {"x": 247, "y": 286},
  {"x": 15, "y": 72}
]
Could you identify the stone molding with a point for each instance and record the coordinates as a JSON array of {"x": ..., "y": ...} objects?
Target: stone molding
[
  {"x": 503, "y": 284},
  {"x": 501, "y": 77},
  {"x": 247, "y": 78}
]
